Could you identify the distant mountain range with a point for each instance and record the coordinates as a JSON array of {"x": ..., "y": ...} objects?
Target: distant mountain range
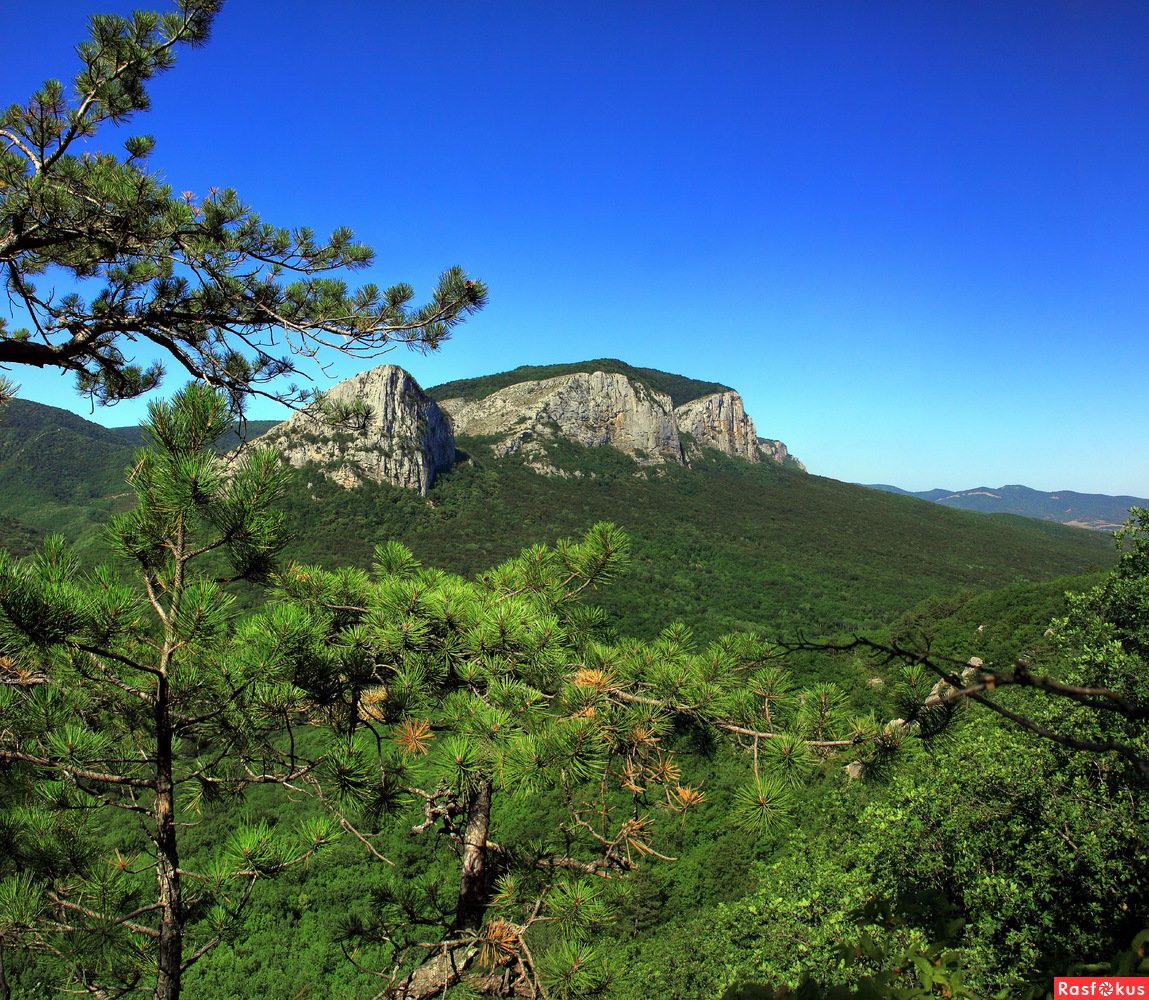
[{"x": 1096, "y": 511}]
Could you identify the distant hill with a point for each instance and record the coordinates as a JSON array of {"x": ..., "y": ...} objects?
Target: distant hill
[
  {"x": 1096, "y": 511},
  {"x": 18, "y": 538},
  {"x": 55, "y": 454},
  {"x": 63, "y": 473},
  {"x": 679, "y": 388}
]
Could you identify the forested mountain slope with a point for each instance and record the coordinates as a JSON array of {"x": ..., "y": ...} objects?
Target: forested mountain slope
[{"x": 721, "y": 545}]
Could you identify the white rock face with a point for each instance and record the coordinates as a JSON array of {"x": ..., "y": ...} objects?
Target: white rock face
[
  {"x": 599, "y": 409},
  {"x": 719, "y": 421},
  {"x": 592, "y": 409},
  {"x": 403, "y": 437},
  {"x": 400, "y": 436}
]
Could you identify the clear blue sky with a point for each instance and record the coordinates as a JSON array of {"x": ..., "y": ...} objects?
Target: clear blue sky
[{"x": 914, "y": 235}]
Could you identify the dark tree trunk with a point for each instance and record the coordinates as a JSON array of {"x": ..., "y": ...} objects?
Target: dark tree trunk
[{"x": 447, "y": 968}]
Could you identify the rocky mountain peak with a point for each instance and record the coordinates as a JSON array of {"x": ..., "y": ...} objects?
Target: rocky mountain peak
[
  {"x": 381, "y": 427},
  {"x": 378, "y": 426},
  {"x": 617, "y": 409}
]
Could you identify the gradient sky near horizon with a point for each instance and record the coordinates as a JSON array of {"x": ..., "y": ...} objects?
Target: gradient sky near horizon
[{"x": 914, "y": 235}]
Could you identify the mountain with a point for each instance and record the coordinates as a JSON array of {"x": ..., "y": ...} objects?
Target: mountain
[
  {"x": 721, "y": 545},
  {"x": 728, "y": 530},
  {"x": 377, "y": 427},
  {"x": 654, "y": 417},
  {"x": 1083, "y": 510},
  {"x": 381, "y": 427},
  {"x": 679, "y": 388},
  {"x": 719, "y": 541},
  {"x": 60, "y": 473},
  {"x": 57, "y": 455},
  {"x": 249, "y": 430}
]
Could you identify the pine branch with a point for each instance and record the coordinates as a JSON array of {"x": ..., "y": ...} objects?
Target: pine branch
[
  {"x": 1100, "y": 699},
  {"x": 73, "y": 772}
]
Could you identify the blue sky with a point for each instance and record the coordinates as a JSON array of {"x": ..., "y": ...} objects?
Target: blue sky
[{"x": 914, "y": 235}]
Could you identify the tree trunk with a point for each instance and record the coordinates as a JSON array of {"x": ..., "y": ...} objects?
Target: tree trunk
[
  {"x": 167, "y": 858},
  {"x": 445, "y": 969},
  {"x": 474, "y": 880}
]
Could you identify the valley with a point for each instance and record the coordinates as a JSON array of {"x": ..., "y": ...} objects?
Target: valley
[{"x": 729, "y": 553}]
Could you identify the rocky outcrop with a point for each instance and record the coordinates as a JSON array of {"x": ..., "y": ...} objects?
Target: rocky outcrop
[
  {"x": 719, "y": 421},
  {"x": 378, "y": 426},
  {"x": 381, "y": 427},
  {"x": 597, "y": 409},
  {"x": 776, "y": 451},
  {"x": 594, "y": 409}
]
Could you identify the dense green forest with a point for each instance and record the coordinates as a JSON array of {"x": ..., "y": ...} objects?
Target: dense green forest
[
  {"x": 726, "y": 545},
  {"x": 725, "y": 730},
  {"x": 759, "y": 823}
]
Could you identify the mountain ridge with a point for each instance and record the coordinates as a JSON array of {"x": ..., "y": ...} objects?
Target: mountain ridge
[
  {"x": 680, "y": 388},
  {"x": 1094, "y": 511},
  {"x": 381, "y": 426}
]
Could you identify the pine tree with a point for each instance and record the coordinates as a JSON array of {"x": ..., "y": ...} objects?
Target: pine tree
[
  {"x": 447, "y": 697},
  {"x": 231, "y": 300},
  {"x": 138, "y": 696}
]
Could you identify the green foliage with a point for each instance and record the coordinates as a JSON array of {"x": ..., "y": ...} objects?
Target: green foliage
[
  {"x": 465, "y": 704},
  {"x": 761, "y": 805},
  {"x": 726, "y": 546},
  {"x": 393, "y": 645},
  {"x": 1043, "y": 860},
  {"x": 211, "y": 262},
  {"x": 137, "y": 698}
]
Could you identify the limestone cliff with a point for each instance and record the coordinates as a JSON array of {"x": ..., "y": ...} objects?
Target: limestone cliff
[
  {"x": 776, "y": 451},
  {"x": 719, "y": 421},
  {"x": 611, "y": 409},
  {"x": 388, "y": 431},
  {"x": 589, "y": 408}
]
